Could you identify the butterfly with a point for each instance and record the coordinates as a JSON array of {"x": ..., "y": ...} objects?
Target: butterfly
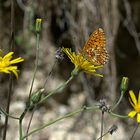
[{"x": 94, "y": 50}]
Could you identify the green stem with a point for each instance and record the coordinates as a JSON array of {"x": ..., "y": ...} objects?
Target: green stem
[
  {"x": 20, "y": 129},
  {"x": 60, "y": 118},
  {"x": 35, "y": 70},
  {"x": 6, "y": 114},
  {"x": 119, "y": 100},
  {"x": 135, "y": 130},
  {"x": 29, "y": 124},
  {"x": 20, "y": 123},
  {"x": 70, "y": 115},
  {"x": 36, "y": 63},
  {"x": 117, "y": 115},
  {"x": 57, "y": 90}
]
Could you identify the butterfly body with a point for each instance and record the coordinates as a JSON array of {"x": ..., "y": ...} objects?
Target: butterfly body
[{"x": 94, "y": 49}]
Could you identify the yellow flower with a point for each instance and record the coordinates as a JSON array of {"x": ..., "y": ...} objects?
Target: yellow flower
[
  {"x": 7, "y": 65},
  {"x": 135, "y": 104},
  {"x": 81, "y": 63}
]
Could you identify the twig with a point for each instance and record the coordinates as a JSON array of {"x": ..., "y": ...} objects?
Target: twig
[{"x": 129, "y": 24}]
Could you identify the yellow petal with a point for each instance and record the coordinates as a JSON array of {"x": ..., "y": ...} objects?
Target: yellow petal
[
  {"x": 16, "y": 73},
  {"x": 132, "y": 114},
  {"x": 131, "y": 103},
  {"x": 82, "y": 63},
  {"x": 96, "y": 74},
  {"x": 133, "y": 97},
  {"x": 9, "y": 55},
  {"x": 138, "y": 117},
  {"x": 17, "y": 60},
  {"x": 139, "y": 98}
]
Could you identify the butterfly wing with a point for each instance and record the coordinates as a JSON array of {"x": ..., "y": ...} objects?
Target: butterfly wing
[{"x": 94, "y": 49}]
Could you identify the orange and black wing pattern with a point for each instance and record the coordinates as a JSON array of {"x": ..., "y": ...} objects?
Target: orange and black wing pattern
[{"x": 94, "y": 49}]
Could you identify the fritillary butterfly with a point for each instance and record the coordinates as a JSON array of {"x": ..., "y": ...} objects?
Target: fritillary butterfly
[{"x": 94, "y": 49}]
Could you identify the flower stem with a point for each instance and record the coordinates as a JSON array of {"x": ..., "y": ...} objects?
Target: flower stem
[
  {"x": 8, "y": 105},
  {"x": 29, "y": 124},
  {"x": 34, "y": 74},
  {"x": 57, "y": 90},
  {"x": 5, "y": 113},
  {"x": 119, "y": 100},
  {"x": 84, "y": 108},
  {"x": 20, "y": 123},
  {"x": 11, "y": 77},
  {"x": 136, "y": 128},
  {"x": 117, "y": 115},
  {"x": 36, "y": 63}
]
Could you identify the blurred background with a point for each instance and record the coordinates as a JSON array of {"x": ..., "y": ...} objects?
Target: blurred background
[{"x": 69, "y": 23}]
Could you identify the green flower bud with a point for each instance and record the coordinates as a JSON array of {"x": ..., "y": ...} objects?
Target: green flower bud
[
  {"x": 35, "y": 98},
  {"x": 38, "y": 25},
  {"x": 124, "y": 84}
]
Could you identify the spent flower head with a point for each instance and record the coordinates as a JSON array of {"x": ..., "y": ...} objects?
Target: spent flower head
[
  {"x": 59, "y": 55},
  {"x": 7, "y": 65},
  {"x": 103, "y": 105},
  {"x": 135, "y": 104},
  {"x": 113, "y": 129},
  {"x": 81, "y": 63}
]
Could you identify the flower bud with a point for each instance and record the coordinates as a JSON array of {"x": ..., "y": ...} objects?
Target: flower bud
[
  {"x": 38, "y": 25},
  {"x": 35, "y": 98},
  {"x": 124, "y": 84}
]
